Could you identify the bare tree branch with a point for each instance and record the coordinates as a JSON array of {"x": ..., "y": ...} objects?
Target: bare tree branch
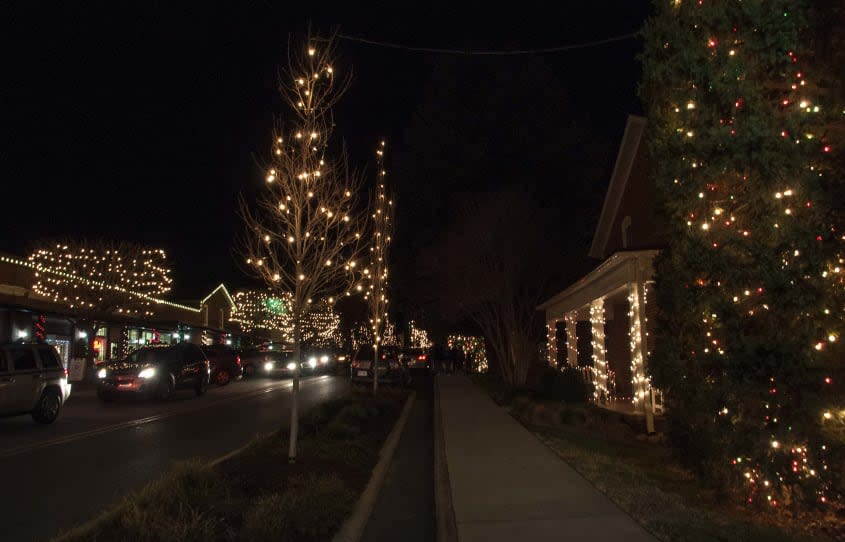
[{"x": 304, "y": 234}]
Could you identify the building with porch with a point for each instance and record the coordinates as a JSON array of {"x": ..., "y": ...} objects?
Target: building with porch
[{"x": 601, "y": 322}]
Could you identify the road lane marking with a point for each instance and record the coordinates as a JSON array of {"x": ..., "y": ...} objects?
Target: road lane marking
[{"x": 147, "y": 420}]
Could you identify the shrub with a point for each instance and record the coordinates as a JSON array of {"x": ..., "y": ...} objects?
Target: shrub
[
  {"x": 567, "y": 384},
  {"x": 573, "y": 416},
  {"x": 312, "y": 509},
  {"x": 186, "y": 504}
]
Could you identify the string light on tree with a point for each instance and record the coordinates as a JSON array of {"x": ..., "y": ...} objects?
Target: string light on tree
[
  {"x": 474, "y": 349},
  {"x": 265, "y": 310},
  {"x": 303, "y": 233},
  {"x": 418, "y": 336},
  {"x": 376, "y": 273},
  {"x": 743, "y": 113}
]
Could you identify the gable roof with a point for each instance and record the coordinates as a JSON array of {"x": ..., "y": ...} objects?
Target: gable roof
[
  {"x": 634, "y": 129},
  {"x": 225, "y": 292}
]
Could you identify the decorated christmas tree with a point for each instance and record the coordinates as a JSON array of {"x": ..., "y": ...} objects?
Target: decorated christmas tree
[{"x": 744, "y": 107}]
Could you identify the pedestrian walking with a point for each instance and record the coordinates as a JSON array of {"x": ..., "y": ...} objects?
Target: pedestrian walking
[
  {"x": 459, "y": 361},
  {"x": 450, "y": 359},
  {"x": 437, "y": 357}
]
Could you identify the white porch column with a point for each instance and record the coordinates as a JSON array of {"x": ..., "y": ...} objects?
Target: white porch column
[
  {"x": 551, "y": 340},
  {"x": 599, "y": 352},
  {"x": 571, "y": 319},
  {"x": 641, "y": 385}
]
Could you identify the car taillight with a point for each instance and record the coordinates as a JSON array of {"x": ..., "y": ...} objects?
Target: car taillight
[
  {"x": 355, "y": 363},
  {"x": 238, "y": 361},
  {"x": 422, "y": 357}
]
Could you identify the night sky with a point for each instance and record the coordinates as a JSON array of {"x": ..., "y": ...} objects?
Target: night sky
[{"x": 145, "y": 122}]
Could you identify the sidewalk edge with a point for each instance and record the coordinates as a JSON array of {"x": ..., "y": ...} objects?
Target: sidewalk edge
[
  {"x": 444, "y": 513},
  {"x": 353, "y": 527}
]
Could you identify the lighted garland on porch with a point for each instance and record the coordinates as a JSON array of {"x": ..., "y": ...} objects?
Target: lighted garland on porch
[
  {"x": 597, "y": 322},
  {"x": 571, "y": 319},
  {"x": 743, "y": 108}
]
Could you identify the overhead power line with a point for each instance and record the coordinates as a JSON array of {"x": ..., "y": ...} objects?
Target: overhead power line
[{"x": 540, "y": 51}]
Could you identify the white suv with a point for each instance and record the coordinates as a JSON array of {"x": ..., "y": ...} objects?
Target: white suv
[{"x": 32, "y": 381}]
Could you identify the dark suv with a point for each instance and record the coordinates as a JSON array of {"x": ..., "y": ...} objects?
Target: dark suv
[
  {"x": 225, "y": 363},
  {"x": 155, "y": 371},
  {"x": 32, "y": 380},
  {"x": 390, "y": 370}
]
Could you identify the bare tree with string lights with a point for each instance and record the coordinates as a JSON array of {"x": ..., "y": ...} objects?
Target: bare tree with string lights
[
  {"x": 376, "y": 273},
  {"x": 304, "y": 232}
]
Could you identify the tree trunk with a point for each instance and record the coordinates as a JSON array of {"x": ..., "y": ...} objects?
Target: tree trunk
[
  {"x": 375, "y": 366},
  {"x": 294, "y": 407}
]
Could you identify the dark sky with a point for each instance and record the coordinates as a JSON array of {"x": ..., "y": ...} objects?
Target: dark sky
[{"x": 143, "y": 122}]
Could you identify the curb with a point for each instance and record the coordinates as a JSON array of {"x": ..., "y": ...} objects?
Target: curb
[
  {"x": 353, "y": 527},
  {"x": 444, "y": 514}
]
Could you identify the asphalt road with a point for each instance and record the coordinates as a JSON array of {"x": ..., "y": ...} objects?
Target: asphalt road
[{"x": 53, "y": 477}]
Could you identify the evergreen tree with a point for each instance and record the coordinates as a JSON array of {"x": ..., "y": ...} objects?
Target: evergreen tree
[{"x": 742, "y": 109}]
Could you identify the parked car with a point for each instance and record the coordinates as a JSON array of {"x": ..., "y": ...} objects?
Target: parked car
[
  {"x": 156, "y": 372},
  {"x": 32, "y": 381},
  {"x": 415, "y": 358},
  {"x": 225, "y": 363},
  {"x": 390, "y": 370}
]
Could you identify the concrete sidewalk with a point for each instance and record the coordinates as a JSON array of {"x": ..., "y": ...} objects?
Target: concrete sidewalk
[{"x": 507, "y": 485}]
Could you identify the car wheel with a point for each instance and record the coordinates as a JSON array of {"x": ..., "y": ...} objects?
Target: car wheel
[
  {"x": 202, "y": 387},
  {"x": 222, "y": 378},
  {"x": 165, "y": 387},
  {"x": 48, "y": 407},
  {"x": 105, "y": 397}
]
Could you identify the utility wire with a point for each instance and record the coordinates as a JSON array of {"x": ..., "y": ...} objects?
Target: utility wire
[{"x": 545, "y": 50}]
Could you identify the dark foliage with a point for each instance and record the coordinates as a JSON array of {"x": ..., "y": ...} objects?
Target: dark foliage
[{"x": 742, "y": 115}]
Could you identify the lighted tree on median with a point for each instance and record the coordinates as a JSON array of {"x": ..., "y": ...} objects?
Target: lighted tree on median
[
  {"x": 303, "y": 234},
  {"x": 264, "y": 310},
  {"x": 376, "y": 273},
  {"x": 98, "y": 279},
  {"x": 743, "y": 110}
]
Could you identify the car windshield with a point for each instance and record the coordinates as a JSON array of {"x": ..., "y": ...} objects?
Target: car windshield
[
  {"x": 150, "y": 355},
  {"x": 279, "y": 356},
  {"x": 365, "y": 353}
]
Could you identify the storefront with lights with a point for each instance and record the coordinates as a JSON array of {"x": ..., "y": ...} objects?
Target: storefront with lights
[
  {"x": 601, "y": 323},
  {"x": 26, "y": 316}
]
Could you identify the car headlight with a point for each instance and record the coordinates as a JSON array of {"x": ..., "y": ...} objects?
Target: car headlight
[
  {"x": 324, "y": 359},
  {"x": 101, "y": 373},
  {"x": 291, "y": 366},
  {"x": 149, "y": 372},
  {"x": 341, "y": 358},
  {"x": 268, "y": 366},
  {"x": 312, "y": 362}
]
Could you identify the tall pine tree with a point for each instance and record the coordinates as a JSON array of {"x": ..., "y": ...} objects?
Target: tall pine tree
[{"x": 743, "y": 108}]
